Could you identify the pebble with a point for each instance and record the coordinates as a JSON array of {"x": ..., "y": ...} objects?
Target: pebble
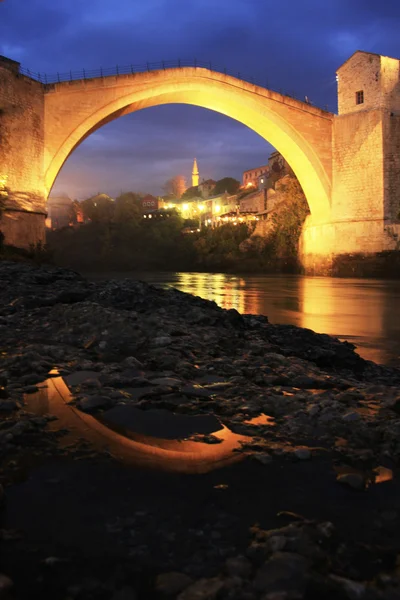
[
  {"x": 8, "y": 405},
  {"x": 5, "y": 586},
  {"x": 170, "y": 584},
  {"x": 93, "y": 402},
  {"x": 302, "y": 453},
  {"x": 352, "y": 589},
  {"x": 351, "y": 417},
  {"x": 284, "y": 571},
  {"x": 167, "y": 381},
  {"x": 238, "y": 565},
  {"x": 203, "y": 589},
  {"x": 353, "y": 480},
  {"x": 263, "y": 458},
  {"x": 126, "y": 593},
  {"x": 162, "y": 341}
]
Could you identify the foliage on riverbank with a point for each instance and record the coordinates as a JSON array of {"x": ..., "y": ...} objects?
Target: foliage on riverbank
[{"x": 123, "y": 240}]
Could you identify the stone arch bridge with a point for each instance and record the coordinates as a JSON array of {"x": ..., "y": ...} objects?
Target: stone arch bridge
[{"x": 338, "y": 159}]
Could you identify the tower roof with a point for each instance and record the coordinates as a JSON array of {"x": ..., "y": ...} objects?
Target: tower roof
[
  {"x": 195, "y": 170},
  {"x": 363, "y": 52}
]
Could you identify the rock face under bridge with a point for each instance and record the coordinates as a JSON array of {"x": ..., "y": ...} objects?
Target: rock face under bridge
[{"x": 348, "y": 164}]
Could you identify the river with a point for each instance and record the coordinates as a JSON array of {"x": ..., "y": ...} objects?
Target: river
[{"x": 362, "y": 311}]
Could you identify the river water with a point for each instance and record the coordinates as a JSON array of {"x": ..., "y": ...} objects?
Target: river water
[{"x": 362, "y": 311}]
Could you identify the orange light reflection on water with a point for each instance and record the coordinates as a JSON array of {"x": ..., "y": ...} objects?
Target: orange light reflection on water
[
  {"x": 361, "y": 311},
  {"x": 228, "y": 291},
  {"x": 261, "y": 420},
  {"x": 54, "y": 398}
]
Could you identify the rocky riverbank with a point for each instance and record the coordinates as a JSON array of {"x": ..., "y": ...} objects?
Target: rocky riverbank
[{"x": 310, "y": 510}]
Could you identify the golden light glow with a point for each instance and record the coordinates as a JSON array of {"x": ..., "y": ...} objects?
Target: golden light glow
[
  {"x": 294, "y": 138},
  {"x": 217, "y": 208},
  {"x": 3, "y": 181},
  {"x": 172, "y": 455},
  {"x": 185, "y": 207}
]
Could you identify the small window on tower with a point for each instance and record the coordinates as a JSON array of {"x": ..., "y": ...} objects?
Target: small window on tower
[{"x": 360, "y": 97}]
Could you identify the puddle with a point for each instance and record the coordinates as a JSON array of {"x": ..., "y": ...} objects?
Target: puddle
[
  {"x": 262, "y": 419},
  {"x": 80, "y": 377},
  {"x": 139, "y": 448},
  {"x": 159, "y": 423},
  {"x": 382, "y": 474},
  {"x": 378, "y": 475}
]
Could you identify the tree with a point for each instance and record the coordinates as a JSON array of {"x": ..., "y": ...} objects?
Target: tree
[
  {"x": 288, "y": 219},
  {"x": 98, "y": 209},
  {"x": 127, "y": 208},
  {"x": 226, "y": 184},
  {"x": 191, "y": 192},
  {"x": 175, "y": 186}
]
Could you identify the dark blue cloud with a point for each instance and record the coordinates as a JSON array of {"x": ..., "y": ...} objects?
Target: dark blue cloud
[{"x": 294, "y": 46}]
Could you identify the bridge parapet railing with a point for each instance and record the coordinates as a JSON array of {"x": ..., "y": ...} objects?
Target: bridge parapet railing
[{"x": 155, "y": 66}]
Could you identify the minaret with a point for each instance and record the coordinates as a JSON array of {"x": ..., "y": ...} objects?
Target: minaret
[{"x": 195, "y": 174}]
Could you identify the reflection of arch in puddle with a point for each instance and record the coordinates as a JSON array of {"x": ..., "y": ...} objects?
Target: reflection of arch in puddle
[{"x": 171, "y": 455}]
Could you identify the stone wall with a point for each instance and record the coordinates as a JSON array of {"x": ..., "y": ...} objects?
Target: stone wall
[
  {"x": 320, "y": 245},
  {"x": 366, "y": 155},
  {"x": 377, "y": 76},
  {"x": 358, "y": 167},
  {"x": 21, "y": 134},
  {"x": 391, "y": 166},
  {"x": 23, "y": 229},
  {"x": 390, "y": 84},
  {"x": 263, "y": 227},
  {"x": 254, "y": 202},
  {"x": 360, "y": 72},
  {"x": 21, "y": 154}
]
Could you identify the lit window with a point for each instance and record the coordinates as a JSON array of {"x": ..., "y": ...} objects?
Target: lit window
[{"x": 360, "y": 97}]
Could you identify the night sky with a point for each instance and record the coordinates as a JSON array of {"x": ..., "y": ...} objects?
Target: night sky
[{"x": 296, "y": 46}]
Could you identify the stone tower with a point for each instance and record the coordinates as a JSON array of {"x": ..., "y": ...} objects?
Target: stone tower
[
  {"x": 366, "y": 145},
  {"x": 195, "y": 174}
]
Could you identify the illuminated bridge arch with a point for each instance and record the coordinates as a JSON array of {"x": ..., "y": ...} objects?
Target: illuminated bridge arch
[{"x": 300, "y": 132}]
